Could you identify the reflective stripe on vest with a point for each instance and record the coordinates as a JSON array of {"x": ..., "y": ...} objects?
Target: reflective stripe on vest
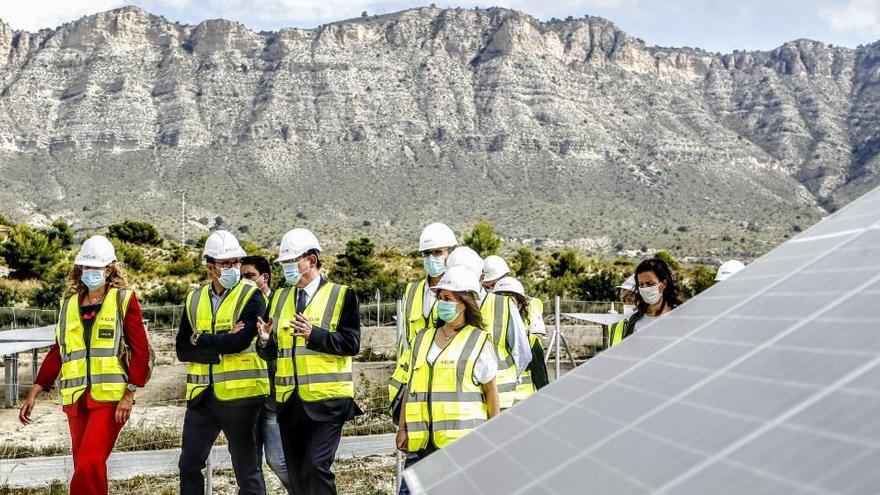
[
  {"x": 444, "y": 403},
  {"x": 315, "y": 376},
  {"x": 237, "y": 376},
  {"x": 95, "y": 365},
  {"x": 496, "y": 313}
]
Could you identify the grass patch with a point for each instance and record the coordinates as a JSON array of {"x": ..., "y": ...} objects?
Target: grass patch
[
  {"x": 372, "y": 475},
  {"x": 20, "y": 451}
]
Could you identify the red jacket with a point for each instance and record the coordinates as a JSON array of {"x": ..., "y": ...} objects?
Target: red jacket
[{"x": 136, "y": 337}]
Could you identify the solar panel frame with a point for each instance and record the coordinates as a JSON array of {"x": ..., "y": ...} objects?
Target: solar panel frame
[{"x": 785, "y": 287}]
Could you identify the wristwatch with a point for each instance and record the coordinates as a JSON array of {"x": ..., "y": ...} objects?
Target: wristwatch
[
  {"x": 131, "y": 388},
  {"x": 194, "y": 338}
]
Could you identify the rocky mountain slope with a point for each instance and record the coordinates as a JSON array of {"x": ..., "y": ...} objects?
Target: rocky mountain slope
[{"x": 571, "y": 131}]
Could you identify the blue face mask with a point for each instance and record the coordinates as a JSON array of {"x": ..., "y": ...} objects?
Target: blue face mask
[
  {"x": 93, "y": 279},
  {"x": 435, "y": 266},
  {"x": 447, "y": 310},
  {"x": 229, "y": 277},
  {"x": 291, "y": 273}
]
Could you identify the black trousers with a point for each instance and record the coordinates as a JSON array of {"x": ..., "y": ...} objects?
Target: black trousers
[
  {"x": 201, "y": 426},
  {"x": 309, "y": 450}
]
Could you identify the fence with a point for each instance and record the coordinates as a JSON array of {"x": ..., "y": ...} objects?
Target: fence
[
  {"x": 12, "y": 318},
  {"x": 158, "y": 417}
]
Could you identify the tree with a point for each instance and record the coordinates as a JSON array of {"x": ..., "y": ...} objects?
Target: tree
[
  {"x": 566, "y": 262},
  {"x": 523, "y": 263},
  {"x": 674, "y": 265},
  {"x": 701, "y": 278},
  {"x": 483, "y": 239},
  {"x": 28, "y": 252},
  {"x": 599, "y": 286},
  {"x": 132, "y": 257},
  {"x": 358, "y": 267},
  {"x": 60, "y": 231},
  {"x": 135, "y": 232},
  {"x": 8, "y": 295},
  {"x": 169, "y": 293}
]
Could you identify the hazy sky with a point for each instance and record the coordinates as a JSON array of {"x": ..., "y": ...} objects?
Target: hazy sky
[{"x": 715, "y": 25}]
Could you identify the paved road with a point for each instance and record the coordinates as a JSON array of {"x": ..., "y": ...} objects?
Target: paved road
[{"x": 39, "y": 471}]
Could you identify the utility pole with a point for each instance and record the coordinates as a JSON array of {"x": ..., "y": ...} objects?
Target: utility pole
[{"x": 183, "y": 218}]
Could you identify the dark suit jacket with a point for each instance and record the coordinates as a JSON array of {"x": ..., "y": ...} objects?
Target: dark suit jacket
[
  {"x": 345, "y": 341},
  {"x": 209, "y": 347}
]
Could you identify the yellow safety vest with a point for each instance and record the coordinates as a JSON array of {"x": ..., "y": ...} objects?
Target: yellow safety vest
[
  {"x": 413, "y": 321},
  {"x": 615, "y": 332},
  {"x": 315, "y": 376},
  {"x": 526, "y": 388},
  {"x": 238, "y": 376},
  {"x": 496, "y": 314},
  {"x": 94, "y": 365},
  {"x": 443, "y": 402},
  {"x": 535, "y": 304}
]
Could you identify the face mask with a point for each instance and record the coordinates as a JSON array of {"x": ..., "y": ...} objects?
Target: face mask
[
  {"x": 650, "y": 295},
  {"x": 229, "y": 277},
  {"x": 248, "y": 281},
  {"x": 93, "y": 279},
  {"x": 435, "y": 266},
  {"x": 291, "y": 273},
  {"x": 628, "y": 309},
  {"x": 447, "y": 310}
]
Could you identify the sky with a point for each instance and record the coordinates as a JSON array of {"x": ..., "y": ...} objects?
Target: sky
[{"x": 714, "y": 25}]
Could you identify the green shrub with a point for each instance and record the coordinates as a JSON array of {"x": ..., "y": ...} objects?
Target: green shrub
[
  {"x": 169, "y": 293},
  {"x": 29, "y": 253},
  {"x": 483, "y": 239},
  {"x": 135, "y": 232}
]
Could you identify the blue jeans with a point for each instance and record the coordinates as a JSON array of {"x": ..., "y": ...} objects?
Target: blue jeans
[{"x": 270, "y": 436}]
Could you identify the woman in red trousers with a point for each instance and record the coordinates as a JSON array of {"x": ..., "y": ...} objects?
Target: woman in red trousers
[{"x": 98, "y": 316}]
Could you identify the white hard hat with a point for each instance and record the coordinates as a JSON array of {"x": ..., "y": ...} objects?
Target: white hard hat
[
  {"x": 510, "y": 284},
  {"x": 437, "y": 235},
  {"x": 494, "y": 267},
  {"x": 466, "y": 257},
  {"x": 222, "y": 245},
  {"x": 96, "y": 252},
  {"x": 728, "y": 268},
  {"x": 296, "y": 243},
  {"x": 459, "y": 279},
  {"x": 629, "y": 284}
]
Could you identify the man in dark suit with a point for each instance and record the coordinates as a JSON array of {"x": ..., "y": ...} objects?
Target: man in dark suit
[{"x": 313, "y": 332}]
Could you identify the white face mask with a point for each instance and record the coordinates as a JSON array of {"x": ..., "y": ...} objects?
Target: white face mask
[
  {"x": 628, "y": 309},
  {"x": 248, "y": 281},
  {"x": 650, "y": 295}
]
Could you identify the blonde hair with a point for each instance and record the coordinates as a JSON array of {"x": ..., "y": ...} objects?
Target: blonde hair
[{"x": 115, "y": 279}]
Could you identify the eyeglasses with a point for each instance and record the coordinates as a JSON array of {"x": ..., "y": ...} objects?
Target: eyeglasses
[
  {"x": 433, "y": 252},
  {"x": 227, "y": 263}
]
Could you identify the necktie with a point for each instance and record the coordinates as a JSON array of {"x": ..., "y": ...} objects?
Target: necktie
[{"x": 301, "y": 300}]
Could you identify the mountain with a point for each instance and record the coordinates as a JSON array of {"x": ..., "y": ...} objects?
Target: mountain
[{"x": 568, "y": 132}]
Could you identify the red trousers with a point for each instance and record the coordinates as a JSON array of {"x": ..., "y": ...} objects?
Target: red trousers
[{"x": 93, "y": 434}]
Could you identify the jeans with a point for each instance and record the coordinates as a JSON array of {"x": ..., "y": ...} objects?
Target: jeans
[{"x": 270, "y": 436}]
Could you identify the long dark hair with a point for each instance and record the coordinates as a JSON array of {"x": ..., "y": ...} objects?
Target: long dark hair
[
  {"x": 472, "y": 314},
  {"x": 671, "y": 295}
]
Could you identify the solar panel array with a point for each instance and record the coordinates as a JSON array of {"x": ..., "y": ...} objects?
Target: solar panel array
[{"x": 766, "y": 383}]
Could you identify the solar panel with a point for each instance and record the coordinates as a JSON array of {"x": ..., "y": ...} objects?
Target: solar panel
[
  {"x": 766, "y": 383},
  {"x": 21, "y": 340}
]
